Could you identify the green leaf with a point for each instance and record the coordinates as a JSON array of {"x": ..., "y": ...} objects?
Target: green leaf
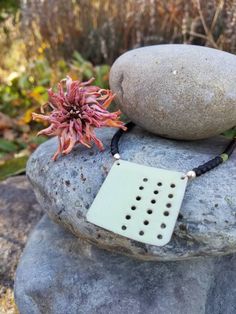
[
  {"x": 7, "y": 146},
  {"x": 101, "y": 75},
  {"x": 39, "y": 89},
  {"x": 2, "y": 155},
  {"x": 77, "y": 56},
  {"x": 13, "y": 167},
  {"x": 230, "y": 133},
  {"x": 88, "y": 73},
  {"x": 38, "y": 139},
  {"x": 45, "y": 81},
  {"x": 21, "y": 144}
]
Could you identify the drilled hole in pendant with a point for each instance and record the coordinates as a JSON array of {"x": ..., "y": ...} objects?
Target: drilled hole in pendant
[
  {"x": 155, "y": 192},
  {"x": 123, "y": 227},
  {"x": 163, "y": 226},
  {"x": 146, "y": 222},
  {"x": 145, "y": 179},
  {"x": 128, "y": 217},
  {"x": 118, "y": 164},
  {"x": 166, "y": 213},
  {"x": 168, "y": 205},
  {"x": 183, "y": 177},
  {"x": 149, "y": 211},
  {"x": 141, "y": 233},
  {"x": 159, "y": 184},
  {"x": 172, "y": 185},
  {"x": 133, "y": 207},
  {"x": 153, "y": 201},
  {"x": 159, "y": 236},
  {"x": 141, "y": 188},
  {"x": 170, "y": 195},
  {"x": 138, "y": 198}
]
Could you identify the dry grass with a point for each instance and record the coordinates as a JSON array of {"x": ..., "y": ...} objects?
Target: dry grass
[
  {"x": 7, "y": 304},
  {"x": 101, "y": 30}
]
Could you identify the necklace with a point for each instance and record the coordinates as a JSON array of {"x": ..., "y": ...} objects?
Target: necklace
[{"x": 142, "y": 202}]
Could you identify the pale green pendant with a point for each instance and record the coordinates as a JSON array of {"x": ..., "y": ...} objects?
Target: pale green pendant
[{"x": 139, "y": 202}]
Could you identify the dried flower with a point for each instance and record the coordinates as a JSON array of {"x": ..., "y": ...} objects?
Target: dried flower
[{"x": 75, "y": 111}]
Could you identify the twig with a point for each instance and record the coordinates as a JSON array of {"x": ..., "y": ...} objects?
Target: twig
[
  {"x": 198, "y": 35},
  {"x": 217, "y": 13},
  {"x": 209, "y": 36}
]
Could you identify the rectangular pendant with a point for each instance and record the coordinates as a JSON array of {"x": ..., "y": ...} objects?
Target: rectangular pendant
[{"x": 139, "y": 202}]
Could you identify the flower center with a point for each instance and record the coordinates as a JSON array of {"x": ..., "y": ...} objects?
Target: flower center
[{"x": 74, "y": 112}]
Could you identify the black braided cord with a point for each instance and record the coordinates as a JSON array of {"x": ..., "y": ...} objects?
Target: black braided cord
[
  {"x": 209, "y": 165},
  {"x": 116, "y": 137}
]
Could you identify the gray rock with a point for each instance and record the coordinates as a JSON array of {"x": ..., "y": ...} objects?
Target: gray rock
[
  {"x": 59, "y": 274},
  {"x": 177, "y": 91},
  {"x": 207, "y": 225}
]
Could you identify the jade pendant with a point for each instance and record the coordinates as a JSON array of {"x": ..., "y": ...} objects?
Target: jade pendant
[{"x": 139, "y": 202}]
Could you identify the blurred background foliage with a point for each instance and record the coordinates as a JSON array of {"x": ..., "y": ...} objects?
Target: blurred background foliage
[{"x": 44, "y": 40}]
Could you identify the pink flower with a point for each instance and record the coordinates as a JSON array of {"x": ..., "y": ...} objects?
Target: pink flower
[{"x": 75, "y": 111}]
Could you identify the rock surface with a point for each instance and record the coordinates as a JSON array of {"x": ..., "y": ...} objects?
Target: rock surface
[
  {"x": 177, "y": 91},
  {"x": 59, "y": 274},
  {"x": 207, "y": 224},
  {"x": 19, "y": 212}
]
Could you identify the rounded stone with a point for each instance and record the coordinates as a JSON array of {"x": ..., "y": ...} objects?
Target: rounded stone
[
  {"x": 206, "y": 225},
  {"x": 177, "y": 91}
]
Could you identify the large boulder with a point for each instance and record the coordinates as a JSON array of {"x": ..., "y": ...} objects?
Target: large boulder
[
  {"x": 206, "y": 225},
  {"x": 59, "y": 274}
]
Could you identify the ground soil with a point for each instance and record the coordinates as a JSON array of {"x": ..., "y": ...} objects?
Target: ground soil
[{"x": 19, "y": 213}]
